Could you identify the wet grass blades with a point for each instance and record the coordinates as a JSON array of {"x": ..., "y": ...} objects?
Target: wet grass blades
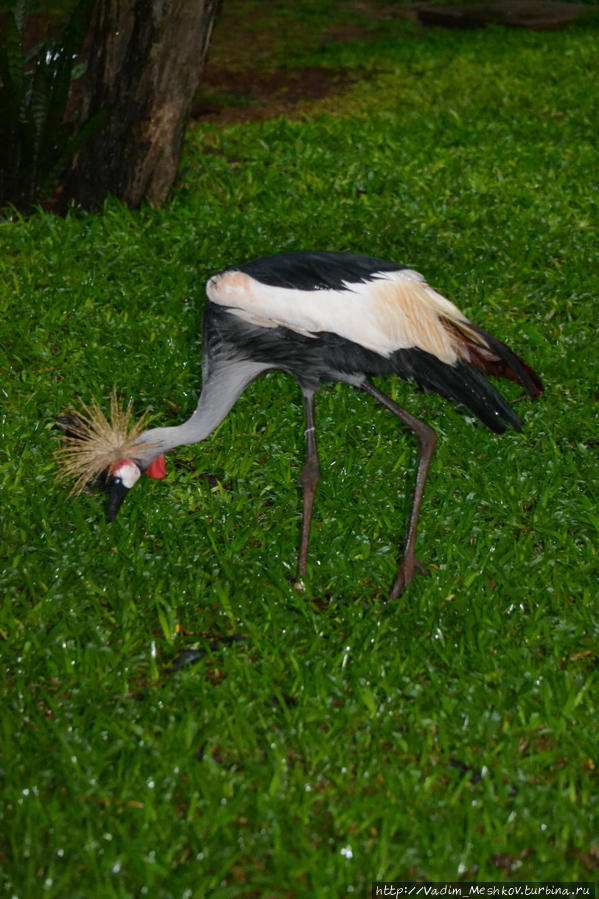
[{"x": 451, "y": 734}]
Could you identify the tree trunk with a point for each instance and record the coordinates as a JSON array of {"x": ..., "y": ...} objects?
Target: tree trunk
[{"x": 144, "y": 68}]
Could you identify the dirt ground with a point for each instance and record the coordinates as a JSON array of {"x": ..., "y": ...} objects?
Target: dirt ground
[{"x": 241, "y": 82}]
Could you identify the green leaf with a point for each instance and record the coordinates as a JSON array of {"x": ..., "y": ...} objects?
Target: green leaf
[
  {"x": 34, "y": 92},
  {"x": 88, "y": 130},
  {"x": 14, "y": 60},
  {"x": 34, "y": 51},
  {"x": 20, "y": 13},
  {"x": 39, "y": 104},
  {"x": 76, "y": 27},
  {"x": 62, "y": 61}
]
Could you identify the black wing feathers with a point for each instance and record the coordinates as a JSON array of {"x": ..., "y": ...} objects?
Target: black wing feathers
[
  {"x": 459, "y": 382},
  {"x": 330, "y": 357},
  {"x": 315, "y": 271}
]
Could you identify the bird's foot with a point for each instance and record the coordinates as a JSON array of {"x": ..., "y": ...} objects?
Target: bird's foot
[
  {"x": 408, "y": 566},
  {"x": 297, "y": 583}
]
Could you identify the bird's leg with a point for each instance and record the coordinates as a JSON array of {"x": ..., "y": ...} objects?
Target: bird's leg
[
  {"x": 308, "y": 479},
  {"x": 426, "y": 438}
]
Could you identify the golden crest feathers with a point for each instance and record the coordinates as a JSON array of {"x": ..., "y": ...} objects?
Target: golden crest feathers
[{"x": 92, "y": 442}]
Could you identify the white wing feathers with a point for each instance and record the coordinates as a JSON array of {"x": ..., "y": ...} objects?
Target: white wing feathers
[{"x": 393, "y": 311}]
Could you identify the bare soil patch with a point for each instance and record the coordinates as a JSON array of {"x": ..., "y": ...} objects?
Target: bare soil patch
[
  {"x": 240, "y": 82},
  {"x": 230, "y": 96},
  {"x": 241, "y": 79}
]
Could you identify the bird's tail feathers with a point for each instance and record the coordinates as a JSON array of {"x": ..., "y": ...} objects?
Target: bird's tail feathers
[
  {"x": 470, "y": 388},
  {"x": 490, "y": 356},
  {"x": 460, "y": 382}
]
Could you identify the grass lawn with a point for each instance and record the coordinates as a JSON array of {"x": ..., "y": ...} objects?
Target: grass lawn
[{"x": 325, "y": 739}]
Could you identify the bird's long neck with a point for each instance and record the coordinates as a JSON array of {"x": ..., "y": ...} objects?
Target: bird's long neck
[{"x": 219, "y": 393}]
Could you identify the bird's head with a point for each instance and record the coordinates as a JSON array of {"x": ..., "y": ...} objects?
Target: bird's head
[
  {"x": 107, "y": 453},
  {"x": 122, "y": 475}
]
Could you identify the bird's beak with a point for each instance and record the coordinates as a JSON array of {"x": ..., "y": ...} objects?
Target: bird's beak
[
  {"x": 117, "y": 492},
  {"x": 122, "y": 475}
]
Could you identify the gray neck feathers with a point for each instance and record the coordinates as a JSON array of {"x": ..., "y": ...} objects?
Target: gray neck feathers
[{"x": 218, "y": 396}]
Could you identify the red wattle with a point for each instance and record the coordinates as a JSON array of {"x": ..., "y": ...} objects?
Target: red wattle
[{"x": 156, "y": 468}]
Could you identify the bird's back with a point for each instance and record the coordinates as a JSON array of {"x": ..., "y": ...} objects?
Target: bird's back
[
  {"x": 377, "y": 305},
  {"x": 339, "y": 316},
  {"x": 316, "y": 270}
]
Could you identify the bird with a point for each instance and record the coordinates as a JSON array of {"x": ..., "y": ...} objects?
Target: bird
[{"x": 320, "y": 316}]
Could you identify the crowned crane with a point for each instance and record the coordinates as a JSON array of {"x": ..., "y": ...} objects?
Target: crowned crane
[{"x": 320, "y": 316}]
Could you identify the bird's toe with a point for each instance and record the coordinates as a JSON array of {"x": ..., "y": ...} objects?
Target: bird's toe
[{"x": 407, "y": 568}]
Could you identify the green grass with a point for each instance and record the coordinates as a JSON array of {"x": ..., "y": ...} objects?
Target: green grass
[{"x": 339, "y": 737}]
